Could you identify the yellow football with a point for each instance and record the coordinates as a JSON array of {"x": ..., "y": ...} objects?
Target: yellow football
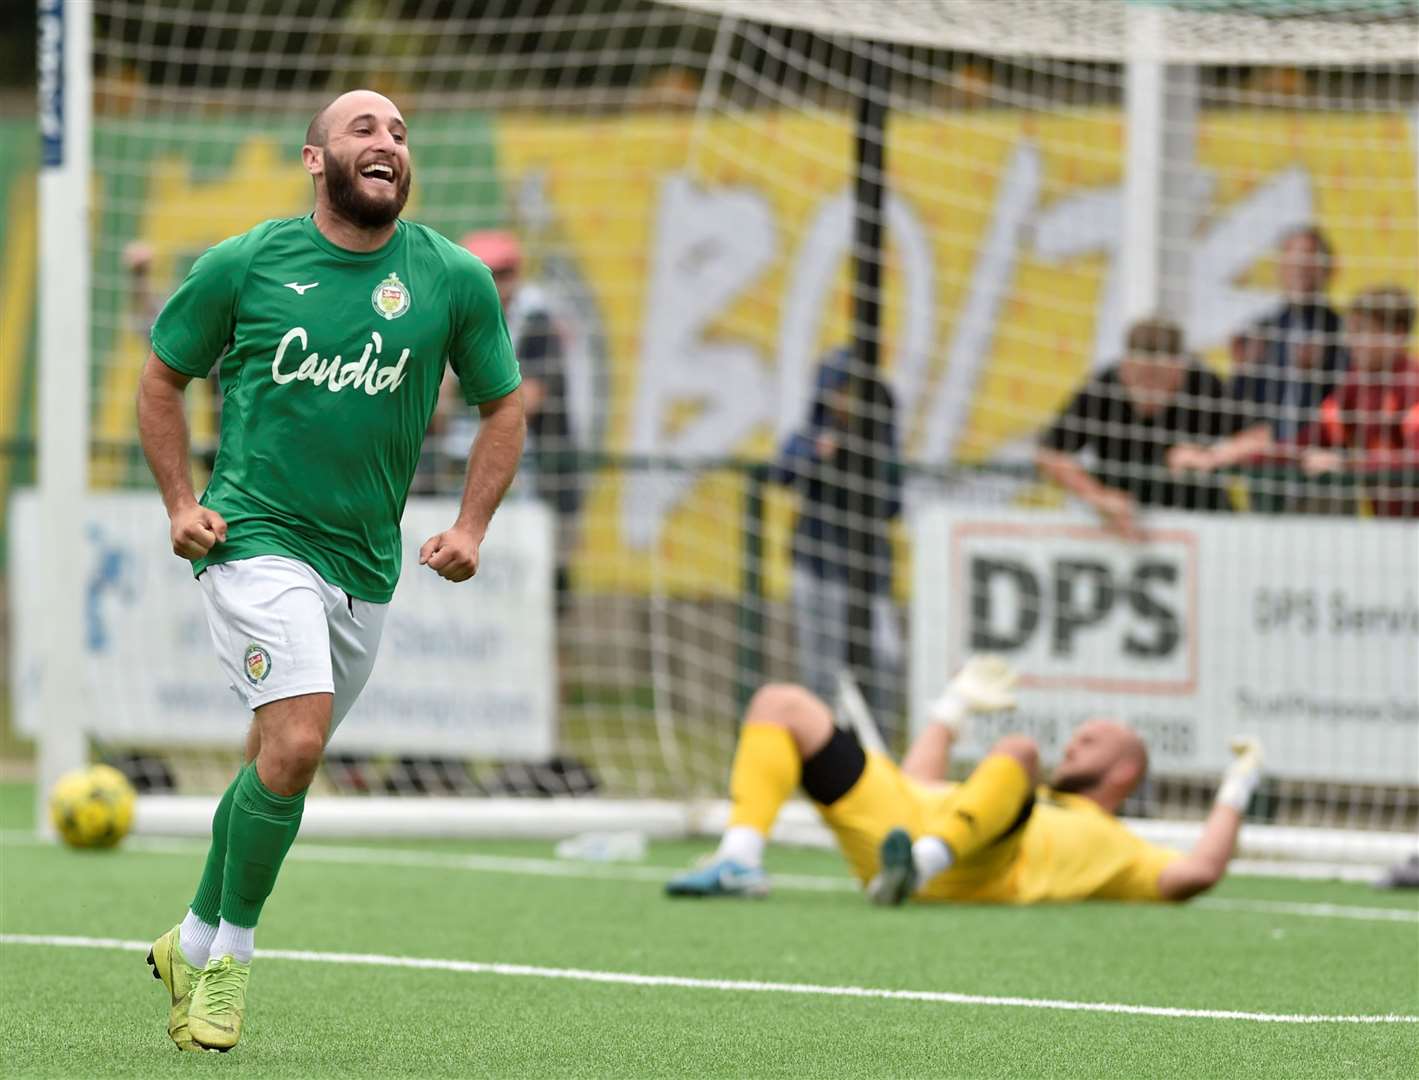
[{"x": 93, "y": 807}]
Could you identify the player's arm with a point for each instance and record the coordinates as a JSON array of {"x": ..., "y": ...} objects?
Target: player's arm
[
  {"x": 190, "y": 332},
  {"x": 1248, "y": 443},
  {"x": 1114, "y": 505},
  {"x": 1206, "y": 863},
  {"x": 492, "y": 463},
  {"x": 162, "y": 429},
  {"x": 480, "y": 353}
]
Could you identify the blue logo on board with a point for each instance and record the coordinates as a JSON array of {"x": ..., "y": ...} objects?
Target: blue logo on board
[
  {"x": 50, "y": 60},
  {"x": 112, "y": 580}
]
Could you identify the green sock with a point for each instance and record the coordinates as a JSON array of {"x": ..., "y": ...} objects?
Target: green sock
[
  {"x": 263, "y": 827},
  {"x": 207, "y": 904}
]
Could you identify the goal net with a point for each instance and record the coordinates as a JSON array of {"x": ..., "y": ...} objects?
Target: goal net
[{"x": 822, "y": 278}]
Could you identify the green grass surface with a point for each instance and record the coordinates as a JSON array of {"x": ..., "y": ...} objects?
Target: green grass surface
[{"x": 96, "y": 1012}]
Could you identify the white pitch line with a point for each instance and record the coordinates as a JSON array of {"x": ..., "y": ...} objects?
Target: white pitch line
[
  {"x": 680, "y": 982},
  {"x": 564, "y": 868},
  {"x": 1316, "y": 911}
]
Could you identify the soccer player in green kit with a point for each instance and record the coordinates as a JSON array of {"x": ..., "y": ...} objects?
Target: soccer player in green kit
[{"x": 333, "y": 330}]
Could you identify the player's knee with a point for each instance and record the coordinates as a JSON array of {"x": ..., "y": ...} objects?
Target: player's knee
[
  {"x": 790, "y": 706},
  {"x": 784, "y": 704},
  {"x": 306, "y": 747},
  {"x": 293, "y": 756},
  {"x": 1024, "y": 750},
  {"x": 253, "y": 743}
]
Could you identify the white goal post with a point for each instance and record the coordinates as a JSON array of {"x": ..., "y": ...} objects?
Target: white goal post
[{"x": 65, "y": 96}]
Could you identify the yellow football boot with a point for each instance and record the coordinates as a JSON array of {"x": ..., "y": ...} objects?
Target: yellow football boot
[
  {"x": 218, "y": 1004},
  {"x": 172, "y": 968}
]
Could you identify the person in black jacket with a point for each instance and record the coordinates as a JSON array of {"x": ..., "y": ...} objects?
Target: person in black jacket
[
  {"x": 1132, "y": 415},
  {"x": 845, "y": 466}
]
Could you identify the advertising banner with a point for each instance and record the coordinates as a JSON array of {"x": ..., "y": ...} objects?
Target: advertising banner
[
  {"x": 464, "y": 669},
  {"x": 1302, "y": 631}
]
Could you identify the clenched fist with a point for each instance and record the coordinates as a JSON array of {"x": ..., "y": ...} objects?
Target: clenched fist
[
  {"x": 195, "y": 530},
  {"x": 452, "y": 554}
]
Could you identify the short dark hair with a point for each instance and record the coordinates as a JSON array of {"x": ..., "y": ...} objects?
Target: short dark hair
[
  {"x": 1389, "y": 307},
  {"x": 1325, "y": 250},
  {"x": 318, "y": 130},
  {"x": 1155, "y": 337}
]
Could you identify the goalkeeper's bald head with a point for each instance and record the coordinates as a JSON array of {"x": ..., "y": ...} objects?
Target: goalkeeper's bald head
[{"x": 1102, "y": 758}]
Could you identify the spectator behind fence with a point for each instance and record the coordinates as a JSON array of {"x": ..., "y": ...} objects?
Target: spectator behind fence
[
  {"x": 549, "y": 464},
  {"x": 1284, "y": 365},
  {"x": 143, "y": 302},
  {"x": 1369, "y": 427},
  {"x": 845, "y": 454},
  {"x": 1131, "y": 415}
]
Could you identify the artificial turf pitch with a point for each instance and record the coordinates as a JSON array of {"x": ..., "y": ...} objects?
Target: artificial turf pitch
[{"x": 94, "y": 1011}]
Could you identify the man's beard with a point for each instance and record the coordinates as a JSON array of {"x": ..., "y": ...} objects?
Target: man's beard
[
  {"x": 1073, "y": 783},
  {"x": 349, "y": 201}
]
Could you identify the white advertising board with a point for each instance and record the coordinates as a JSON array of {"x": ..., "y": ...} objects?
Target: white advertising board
[
  {"x": 463, "y": 669},
  {"x": 1303, "y": 631}
]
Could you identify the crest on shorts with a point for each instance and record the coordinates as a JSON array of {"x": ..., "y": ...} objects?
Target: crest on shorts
[
  {"x": 391, "y": 297},
  {"x": 256, "y": 664}
]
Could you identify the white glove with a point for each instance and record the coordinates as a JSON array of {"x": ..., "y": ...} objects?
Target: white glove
[
  {"x": 985, "y": 684},
  {"x": 1240, "y": 781}
]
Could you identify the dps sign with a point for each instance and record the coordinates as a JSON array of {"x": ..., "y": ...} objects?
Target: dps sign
[
  {"x": 1303, "y": 631},
  {"x": 462, "y": 669},
  {"x": 1068, "y": 610}
]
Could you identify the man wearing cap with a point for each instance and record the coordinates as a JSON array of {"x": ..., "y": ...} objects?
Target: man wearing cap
[{"x": 538, "y": 344}]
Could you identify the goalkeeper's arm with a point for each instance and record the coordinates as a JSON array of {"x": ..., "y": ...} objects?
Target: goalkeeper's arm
[
  {"x": 985, "y": 684},
  {"x": 1206, "y": 863}
]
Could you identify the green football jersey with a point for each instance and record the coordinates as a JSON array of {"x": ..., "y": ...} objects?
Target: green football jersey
[{"x": 331, "y": 371}]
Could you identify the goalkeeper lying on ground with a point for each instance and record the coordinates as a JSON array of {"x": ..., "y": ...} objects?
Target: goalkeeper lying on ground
[{"x": 999, "y": 837}]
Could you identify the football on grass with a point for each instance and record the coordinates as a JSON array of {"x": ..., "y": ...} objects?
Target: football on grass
[{"x": 93, "y": 807}]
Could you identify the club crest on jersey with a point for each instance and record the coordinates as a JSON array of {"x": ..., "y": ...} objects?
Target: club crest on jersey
[
  {"x": 257, "y": 664},
  {"x": 391, "y": 297}
]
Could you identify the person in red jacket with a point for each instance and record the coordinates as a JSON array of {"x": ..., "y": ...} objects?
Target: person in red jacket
[{"x": 1369, "y": 425}]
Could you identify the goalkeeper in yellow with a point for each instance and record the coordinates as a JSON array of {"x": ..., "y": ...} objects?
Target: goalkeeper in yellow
[{"x": 998, "y": 837}]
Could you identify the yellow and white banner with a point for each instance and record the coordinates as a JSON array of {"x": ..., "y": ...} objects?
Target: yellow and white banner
[
  {"x": 714, "y": 255},
  {"x": 700, "y": 265}
]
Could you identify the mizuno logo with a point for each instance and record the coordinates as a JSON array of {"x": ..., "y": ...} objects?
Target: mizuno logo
[{"x": 300, "y": 290}]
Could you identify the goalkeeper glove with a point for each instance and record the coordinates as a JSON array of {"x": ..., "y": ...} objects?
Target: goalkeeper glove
[
  {"x": 985, "y": 683},
  {"x": 1240, "y": 781}
]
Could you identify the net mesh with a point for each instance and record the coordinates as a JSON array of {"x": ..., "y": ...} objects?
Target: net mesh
[{"x": 738, "y": 494}]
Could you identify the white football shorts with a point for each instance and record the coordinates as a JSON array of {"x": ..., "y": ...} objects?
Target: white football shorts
[{"x": 281, "y": 630}]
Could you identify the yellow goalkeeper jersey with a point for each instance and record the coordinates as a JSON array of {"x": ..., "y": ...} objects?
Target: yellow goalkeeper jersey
[{"x": 1068, "y": 849}]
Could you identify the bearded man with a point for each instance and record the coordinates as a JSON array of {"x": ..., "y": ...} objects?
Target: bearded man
[{"x": 332, "y": 332}]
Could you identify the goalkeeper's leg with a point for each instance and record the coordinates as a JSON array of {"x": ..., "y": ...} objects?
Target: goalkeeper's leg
[
  {"x": 994, "y": 801},
  {"x": 784, "y": 726}
]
